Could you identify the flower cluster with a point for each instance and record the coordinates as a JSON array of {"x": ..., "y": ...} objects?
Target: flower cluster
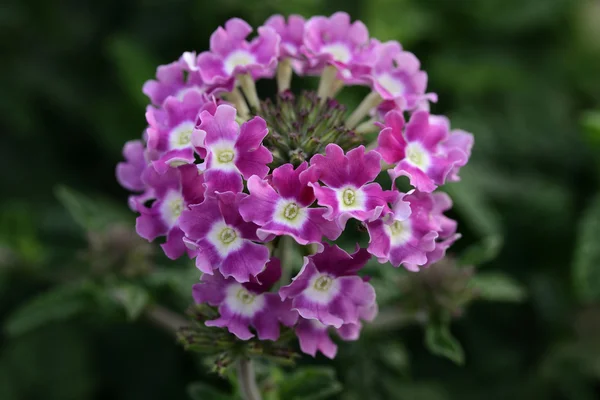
[{"x": 224, "y": 175}]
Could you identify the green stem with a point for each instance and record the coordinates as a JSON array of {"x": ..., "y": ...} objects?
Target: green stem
[
  {"x": 247, "y": 379},
  {"x": 286, "y": 255}
]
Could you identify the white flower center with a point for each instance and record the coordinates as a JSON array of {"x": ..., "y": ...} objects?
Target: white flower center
[
  {"x": 399, "y": 232},
  {"x": 223, "y": 155},
  {"x": 172, "y": 207},
  {"x": 338, "y": 51},
  {"x": 288, "y": 213},
  {"x": 243, "y": 302},
  {"x": 181, "y": 136},
  {"x": 225, "y": 238},
  {"x": 322, "y": 288},
  {"x": 418, "y": 156},
  {"x": 394, "y": 86},
  {"x": 238, "y": 58},
  {"x": 350, "y": 198}
]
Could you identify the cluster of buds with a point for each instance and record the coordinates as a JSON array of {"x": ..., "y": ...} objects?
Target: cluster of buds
[{"x": 225, "y": 176}]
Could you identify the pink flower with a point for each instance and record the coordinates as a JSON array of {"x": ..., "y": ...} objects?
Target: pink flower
[
  {"x": 409, "y": 235},
  {"x": 129, "y": 173},
  {"x": 327, "y": 288},
  {"x": 169, "y": 134},
  {"x": 396, "y": 76},
  {"x": 231, "y": 55},
  {"x": 423, "y": 151},
  {"x": 335, "y": 41},
  {"x": 348, "y": 192},
  {"x": 171, "y": 193},
  {"x": 242, "y": 305},
  {"x": 290, "y": 32},
  {"x": 232, "y": 151},
  {"x": 222, "y": 239},
  {"x": 282, "y": 208},
  {"x": 175, "y": 79}
]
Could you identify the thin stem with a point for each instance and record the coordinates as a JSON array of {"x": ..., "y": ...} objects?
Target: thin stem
[
  {"x": 367, "y": 127},
  {"x": 286, "y": 255},
  {"x": 249, "y": 89},
  {"x": 326, "y": 82},
  {"x": 237, "y": 98},
  {"x": 166, "y": 318},
  {"x": 370, "y": 101},
  {"x": 247, "y": 379},
  {"x": 284, "y": 75}
]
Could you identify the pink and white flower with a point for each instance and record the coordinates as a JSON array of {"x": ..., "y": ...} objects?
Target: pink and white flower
[
  {"x": 171, "y": 193},
  {"x": 129, "y": 173},
  {"x": 175, "y": 79},
  {"x": 169, "y": 134},
  {"x": 327, "y": 288},
  {"x": 338, "y": 42},
  {"x": 244, "y": 305},
  {"x": 222, "y": 239},
  {"x": 282, "y": 207},
  {"x": 396, "y": 76},
  {"x": 231, "y": 55},
  {"x": 425, "y": 152},
  {"x": 232, "y": 151},
  {"x": 348, "y": 193}
]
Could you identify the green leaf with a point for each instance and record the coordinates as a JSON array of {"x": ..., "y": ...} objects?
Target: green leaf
[
  {"x": 440, "y": 341},
  {"x": 89, "y": 214},
  {"x": 483, "y": 251},
  {"x": 591, "y": 125},
  {"x": 202, "y": 391},
  {"x": 57, "y": 304},
  {"x": 134, "y": 66},
  {"x": 471, "y": 202},
  {"x": 497, "y": 287},
  {"x": 310, "y": 383},
  {"x": 586, "y": 263},
  {"x": 134, "y": 299}
]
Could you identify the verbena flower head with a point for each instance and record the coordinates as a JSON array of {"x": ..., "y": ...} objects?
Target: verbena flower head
[{"x": 243, "y": 182}]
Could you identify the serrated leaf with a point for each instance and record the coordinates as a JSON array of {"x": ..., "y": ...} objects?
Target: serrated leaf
[
  {"x": 310, "y": 383},
  {"x": 134, "y": 299},
  {"x": 57, "y": 304},
  {"x": 89, "y": 214},
  {"x": 497, "y": 287},
  {"x": 586, "y": 263},
  {"x": 440, "y": 341},
  {"x": 202, "y": 391}
]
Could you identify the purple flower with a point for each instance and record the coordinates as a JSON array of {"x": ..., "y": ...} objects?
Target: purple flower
[
  {"x": 421, "y": 150},
  {"x": 282, "y": 208},
  {"x": 231, "y": 55},
  {"x": 458, "y": 143},
  {"x": 291, "y": 34},
  {"x": 446, "y": 228},
  {"x": 169, "y": 134},
  {"x": 222, "y": 239},
  {"x": 232, "y": 150},
  {"x": 129, "y": 173},
  {"x": 335, "y": 41},
  {"x": 242, "y": 305},
  {"x": 314, "y": 336},
  {"x": 327, "y": 288},
  {"x": 348, "y": 192},
  {"x": 396, "y": 76},
  {"x": 172, "y": 193},
  {"x": 175, "y": 79}
]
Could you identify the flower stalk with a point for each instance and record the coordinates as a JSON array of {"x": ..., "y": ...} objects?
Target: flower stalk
[{"x": 247, "y": 379}]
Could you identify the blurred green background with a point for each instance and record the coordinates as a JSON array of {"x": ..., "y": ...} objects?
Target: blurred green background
[{"x": 522, "y": 75}]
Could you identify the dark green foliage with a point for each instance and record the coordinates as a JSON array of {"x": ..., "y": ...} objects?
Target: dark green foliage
[{"x": 522, "y": 303}]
